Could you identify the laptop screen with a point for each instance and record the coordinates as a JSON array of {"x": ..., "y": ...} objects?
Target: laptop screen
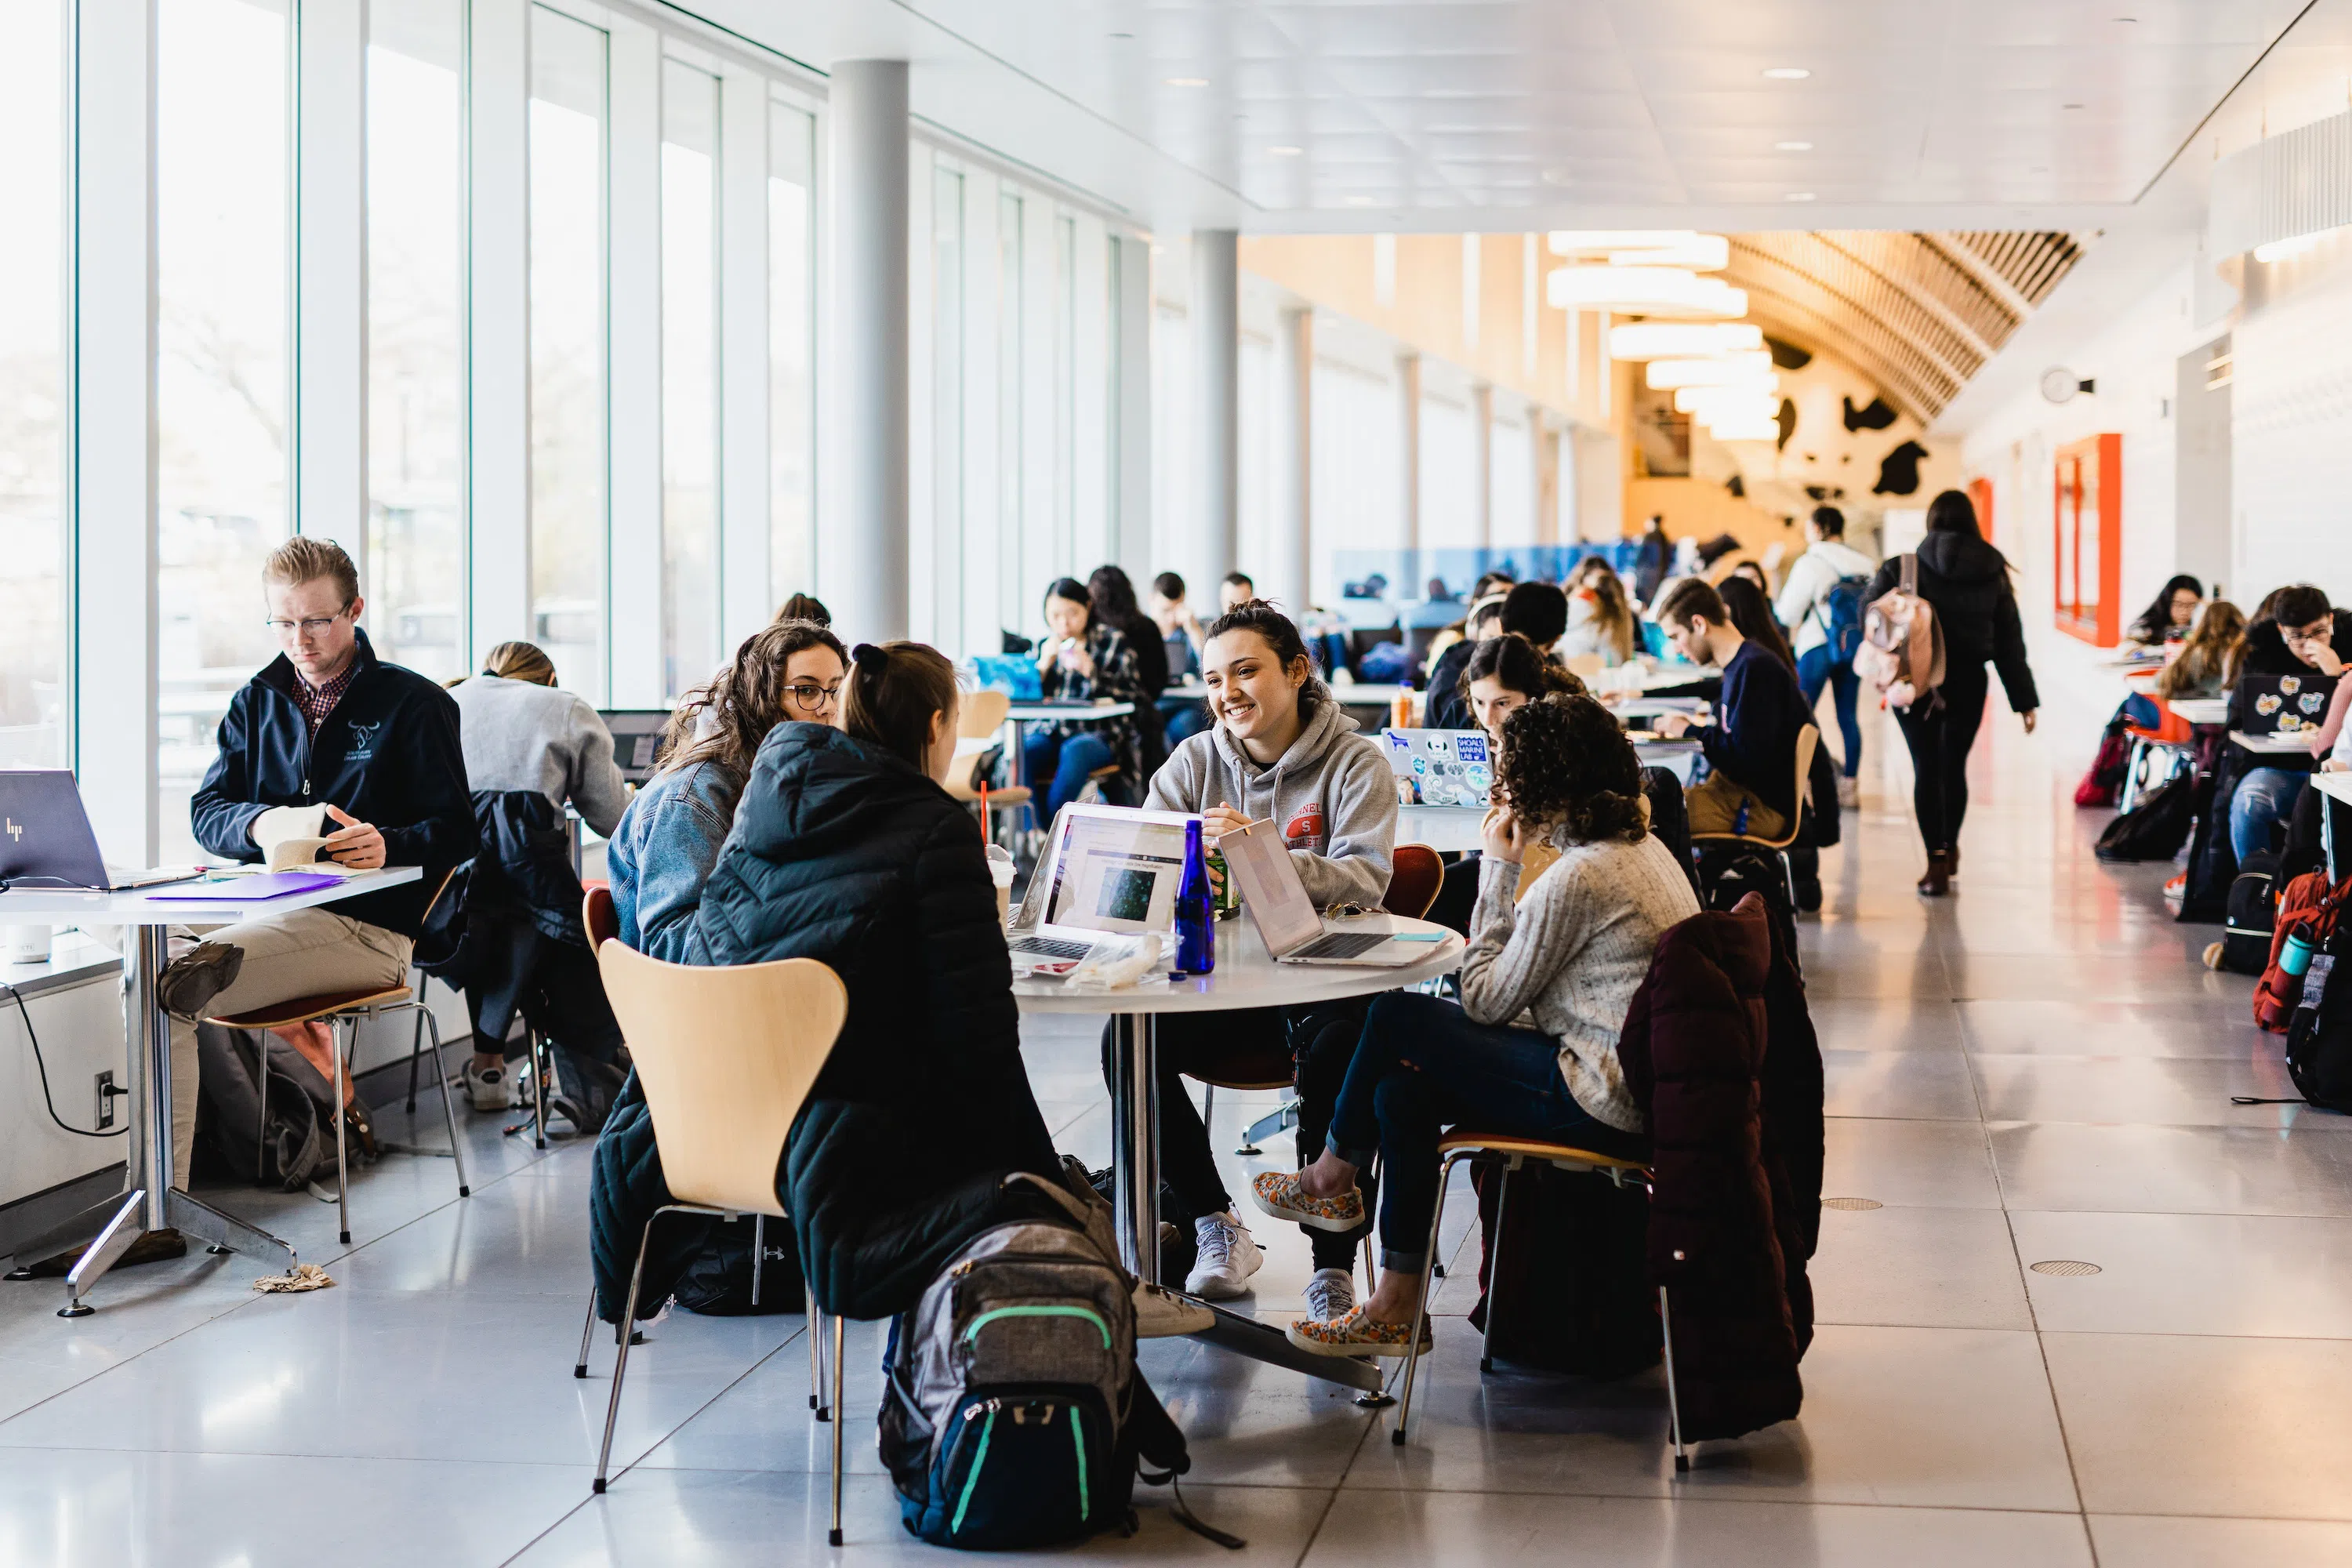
[
  {"x": 1443, "y": 767},
  {"x": 1117, "y": 873}
]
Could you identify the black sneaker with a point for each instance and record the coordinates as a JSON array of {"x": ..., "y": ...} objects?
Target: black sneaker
[{"x": 192, "y": 980}]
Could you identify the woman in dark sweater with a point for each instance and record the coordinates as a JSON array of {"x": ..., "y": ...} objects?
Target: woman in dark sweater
[
  {"x": 1966, "y": 582},
  {"x": 1083, "y": 659}
]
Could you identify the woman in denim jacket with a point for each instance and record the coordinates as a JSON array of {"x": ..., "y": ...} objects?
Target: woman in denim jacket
[{"x": 662, "y": 853}]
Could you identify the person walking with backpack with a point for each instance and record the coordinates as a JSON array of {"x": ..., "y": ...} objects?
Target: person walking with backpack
[
  {"x": 1821, "y": 605},
  {"x": 1965, "y": 583}
]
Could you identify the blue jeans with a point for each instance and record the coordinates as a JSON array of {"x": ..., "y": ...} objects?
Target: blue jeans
[
  {"x": 1186, "y": 719},
  {"x": 1814, "y": 671},
  {"x": 1067, "y": 761},
  {"x": 2264, "y": 795},
  {"x": 1422, "y": 1065}
]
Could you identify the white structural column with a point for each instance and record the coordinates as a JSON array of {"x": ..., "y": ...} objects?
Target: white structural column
[
  {"x": 1544, "y": 445},
  {"x": 862, "y": 557},
  {"x": 330, "y": 434},
  {"x": 1291, "y": 449},
  {"x": 113, "y": 441},
  {"x": 1216, "y": 370},
  {"x": 746, "y": 592},
  {"x": 1408, "y": 449},
  {"x": 497, "y": 325},
  {"x": 1482, "y": 481},
  {"x": 633, "y": 295},
  {"x": 1133, "y": 545}
]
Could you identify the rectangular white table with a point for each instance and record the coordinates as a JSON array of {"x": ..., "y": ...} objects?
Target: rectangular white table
[
  {"x": 2202, "y": 709},
  {"x": 2338, "y": 788},
  {"x": 2274, "y": 745},
  {"x": 149, "y": 1202}
]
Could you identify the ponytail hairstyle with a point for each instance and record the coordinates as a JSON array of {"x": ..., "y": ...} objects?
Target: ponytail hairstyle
[
  {"x": 1280, "y": 633},
  {"x": 744, "y": 702},
  {"x": 891, "y": 693},
  {"x": 1520, "y": 666},
  {"x": 1567, "y": 767},
  {"x": 519, "y": 661}
]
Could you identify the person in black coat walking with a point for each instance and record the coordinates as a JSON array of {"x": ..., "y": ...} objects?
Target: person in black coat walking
[{"x": 1966, "y": 580}]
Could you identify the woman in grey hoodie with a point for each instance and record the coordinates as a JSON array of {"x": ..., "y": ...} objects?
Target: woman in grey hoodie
[{"x": 1280, "y": 749}]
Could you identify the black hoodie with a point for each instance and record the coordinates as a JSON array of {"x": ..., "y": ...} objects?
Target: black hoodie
[
  {"x": 2267, "y": 654},
  {"x": 1966, "y": 580}
]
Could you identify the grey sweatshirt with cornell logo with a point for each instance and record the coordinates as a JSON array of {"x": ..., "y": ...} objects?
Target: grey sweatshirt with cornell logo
[{"x": 1330, "y": 794}]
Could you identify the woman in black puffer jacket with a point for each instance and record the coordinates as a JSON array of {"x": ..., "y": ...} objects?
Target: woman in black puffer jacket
[
  {"x": 1966, "y": 580},
  {"x": 847, "y": 850}
]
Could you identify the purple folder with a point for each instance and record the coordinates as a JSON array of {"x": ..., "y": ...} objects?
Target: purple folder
[{"x": 247, "y": 889}]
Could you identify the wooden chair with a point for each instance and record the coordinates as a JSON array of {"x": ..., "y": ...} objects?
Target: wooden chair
[
  {"x": 1808, "y": 739},
  {"x": 981, "y": 717},
  {"x": 349, "y": 1009},
  {"x": 1510, "y": 1153},
  {"x": 725, "y": 1057}
]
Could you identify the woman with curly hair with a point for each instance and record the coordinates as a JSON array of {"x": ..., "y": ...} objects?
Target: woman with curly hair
[{"x": 1566, "y": 953}]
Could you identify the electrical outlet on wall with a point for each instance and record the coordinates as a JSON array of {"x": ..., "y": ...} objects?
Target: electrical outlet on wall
[{"x": 106, "y": 1092}]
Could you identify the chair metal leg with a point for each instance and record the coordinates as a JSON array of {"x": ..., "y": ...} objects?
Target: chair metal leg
[
  {"x": 840, "y": 1325},
  {"x": 1421, "y": 1313},
  {"x": 1674, "y": 1403},
  {"x": 342, "y": 1159},
  {"x": 538, "y": 1089},
  {"x": 587, "y": 1333},
  {"x": 1268, "y": 1125},
  {"x": 416, "y": 1044},
  {"x": 449, "y": 1107},
  {"x": 817, "y": 1362},
  {"x": 1494, "y": 1267},
  {"x": 758, "y": 1253},
  {"x": 620, "y": 1362},
  {"x": 261, "y": 1118},
  {"x": 1788, "y": 880}
]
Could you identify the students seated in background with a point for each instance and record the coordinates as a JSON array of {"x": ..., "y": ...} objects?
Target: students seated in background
[
  {"x": 1751, "y": 617},
  {"x": 1281, "y": 752},
  {"x": 847, "y": 850},
  {"x": 1506, "y": 673},
  {"x": 1444, "y": 706},
  {"x": 1180, "y": 636},
  {"x": 1566, "y": 955},
  {"x": 1495, "y": 582},
  {"x": 661, "y": 853},
  {"x": 2169, "y": 614},
  {"x": 2197, "y": 669},
  {"x": 521, "y": 735},
  {"x": 1599, "y": 617},
  {"x": 325, "y": 723},
  {"x": 2301, "y": 633},
  {"x": 1803, "y": 607},
  {"x": 1235, "y": 589},
  {"x": 1113, "y": 597},
  {"x": 1083, "y": 659},
  {"x": 1752, "y": 745}
]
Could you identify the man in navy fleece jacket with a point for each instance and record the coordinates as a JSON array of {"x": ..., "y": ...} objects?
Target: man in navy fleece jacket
[{"x": 1752, "y": 748}]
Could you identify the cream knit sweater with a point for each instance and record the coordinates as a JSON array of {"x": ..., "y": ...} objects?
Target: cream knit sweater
[{"x": 1567, "y": 958}]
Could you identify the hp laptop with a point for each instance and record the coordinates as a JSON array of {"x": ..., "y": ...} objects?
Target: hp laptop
[
  {"x": 1444, "y": 767},
  {"x": 46, "y": 839},
  {"x": 1295, "y": 930},
  {"x": 1108, "y": 870}
]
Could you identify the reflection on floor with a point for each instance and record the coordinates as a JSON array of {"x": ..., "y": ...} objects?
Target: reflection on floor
[{"x": 2033, "y": 1070}]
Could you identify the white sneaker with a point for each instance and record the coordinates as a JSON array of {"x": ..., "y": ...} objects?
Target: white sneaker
[
  {"x": 1849, "y": 792},
  {"x": 1161, "y": 1314},
  {"x": 1227, "y": 1257},
  {"x": 1330, "y": 1295},
  {"x": 490, "y": 1090}
]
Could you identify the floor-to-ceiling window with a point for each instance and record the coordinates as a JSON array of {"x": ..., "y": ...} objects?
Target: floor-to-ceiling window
[
  {"x": 1011, "y": 353},
  {"x": 689, "y": 246},
  {"x": 1357, "y": 487},
  {"x": 1513, "y": 486},
  {"x": 947, "y": 398},
  {"x": 792, "y": 356},
  {"x": 415, "y": 197},
  {"x": 1254, "y": 540},
  {"x": 32, "y": 384},
  {"x": 221, "y": 152},
  {"x": 568, "y": 490},
  {"x": 1449, "y": 476},
  {"x": 1063, "y": 539}
]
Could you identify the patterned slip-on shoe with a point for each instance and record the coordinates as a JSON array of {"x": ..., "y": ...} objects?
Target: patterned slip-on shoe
[
  {"x": 1356, "y": 1334},
  {"x": 1278, "y": 1193}
]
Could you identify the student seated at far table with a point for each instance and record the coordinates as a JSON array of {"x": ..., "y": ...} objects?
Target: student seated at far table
[{"x": 1752, "y": 746}]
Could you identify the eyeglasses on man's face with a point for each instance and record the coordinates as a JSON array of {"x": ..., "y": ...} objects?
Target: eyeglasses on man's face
[
  {"x": 309, "y": 626},
  {"x": 811, "y": 697}
]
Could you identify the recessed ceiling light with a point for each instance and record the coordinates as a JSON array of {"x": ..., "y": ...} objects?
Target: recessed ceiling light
[
  {"x": 1283, "y": 151},
  {"x": 1792, "y": 146},
  {"x": 1188, "y": 81},
  {"x": 1801, "y": 195},
  {"x": 1786, "y": 73}
]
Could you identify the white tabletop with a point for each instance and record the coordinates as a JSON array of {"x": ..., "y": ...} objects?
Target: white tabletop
[
  {"x": 1369, "y": 694},
  {"x": 1046, "y": 713},
  {"x": 140, "y": 908},
  {"x": 1246, "y": 977},
  {"x": 2274, "y": 745},
  {"x": 2202, "y": 709},
  {"x": 1448, "y": 829}
]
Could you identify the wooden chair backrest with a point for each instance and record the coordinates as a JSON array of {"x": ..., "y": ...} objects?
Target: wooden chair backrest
[
  {"x": 982, "y": 714},
  {"x": 1415, "y": 876}
]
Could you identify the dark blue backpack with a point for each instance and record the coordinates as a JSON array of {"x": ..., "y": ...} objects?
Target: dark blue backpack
[{"x": 1840, "y": 611}]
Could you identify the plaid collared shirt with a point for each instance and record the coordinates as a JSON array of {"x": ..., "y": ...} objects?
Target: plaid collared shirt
[{"x": 318, "y": 701}]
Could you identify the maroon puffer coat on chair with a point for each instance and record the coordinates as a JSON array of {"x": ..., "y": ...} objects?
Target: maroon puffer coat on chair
[{"x": 1693, "y": 1050}]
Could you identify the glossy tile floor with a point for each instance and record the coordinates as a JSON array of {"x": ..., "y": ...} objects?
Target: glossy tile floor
[{"x": 2032, "y": 1070}]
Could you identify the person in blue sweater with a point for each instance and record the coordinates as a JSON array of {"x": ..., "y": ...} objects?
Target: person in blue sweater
[{"x": 1751, "y": 749}]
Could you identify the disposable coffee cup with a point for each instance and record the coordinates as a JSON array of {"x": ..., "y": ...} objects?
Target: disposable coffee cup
[
  {"x": 1000, "y": 868},
  {"x": 26, "y": 944}
]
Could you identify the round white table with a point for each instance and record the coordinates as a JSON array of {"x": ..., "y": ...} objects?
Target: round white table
[{"x": 1246, "y": 975}]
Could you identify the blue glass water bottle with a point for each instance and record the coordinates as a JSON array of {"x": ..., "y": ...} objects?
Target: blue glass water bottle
[{"x": 1196, "y": 909}]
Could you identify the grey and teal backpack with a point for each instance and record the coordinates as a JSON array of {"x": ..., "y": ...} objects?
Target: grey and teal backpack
[{"x": 1014, "y": 1414}]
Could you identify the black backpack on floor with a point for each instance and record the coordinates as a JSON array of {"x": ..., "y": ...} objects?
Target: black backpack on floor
[
  {"x": 1729, "y": 872},
  {"x": 2156, "y": 828},
  {"x": 718, "y": 1283},
  {"x": 2252, "y": 912},
  {"x": 294, "y": 1142},
  {"x": 1572, "y": 1294},
  {"x": 2319, "y": 1035}
]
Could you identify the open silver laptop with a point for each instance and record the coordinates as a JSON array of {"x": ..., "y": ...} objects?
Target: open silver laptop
[
  {"x": 46, "y": 839},
  {"x": 1108, "y": 870},
  {"x": 1294, "y": 929},
  {"x": 1444, "y": 767}
]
